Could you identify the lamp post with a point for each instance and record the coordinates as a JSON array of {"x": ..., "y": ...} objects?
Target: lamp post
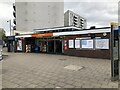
[{"x": 9, "y": 26}]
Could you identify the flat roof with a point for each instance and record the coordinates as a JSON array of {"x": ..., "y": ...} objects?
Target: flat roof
[
  {"x": 84, "y": 31},
  {"x": 57, "y": 28},
  {"x": 64, "y": 27},
  {"x": 105, "y": 30}
]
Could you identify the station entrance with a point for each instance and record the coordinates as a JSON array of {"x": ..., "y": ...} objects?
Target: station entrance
[
  {"x": 55, "y": 46},
  {"x": 30, "y": 45},
  {"x": 45, "y": 45},
  {"x": 51, "y": 46}
]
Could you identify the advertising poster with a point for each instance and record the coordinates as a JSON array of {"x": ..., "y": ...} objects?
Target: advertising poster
[
  {"x": 87, "y": 43},
  {"x": 71, "y": 43},
  {"x": 19, "y": 45},
  {"x": 77, "y": 43},
  {"x": 102, "y": 43}
]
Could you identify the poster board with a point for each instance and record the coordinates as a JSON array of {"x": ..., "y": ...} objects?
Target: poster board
[
  {"x": 19, "y": 45},
  {"x": 102, "y": 43},
  {"x": 87, "y": 43},
  {"x": 71, "y": 43},
  {"x": 77, "y": 43}
]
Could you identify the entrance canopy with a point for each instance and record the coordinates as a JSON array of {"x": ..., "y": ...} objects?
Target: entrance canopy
[{"x": 62, "y": 31}]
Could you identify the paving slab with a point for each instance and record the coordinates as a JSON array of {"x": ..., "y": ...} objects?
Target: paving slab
[{"x": 47, "y": 70}]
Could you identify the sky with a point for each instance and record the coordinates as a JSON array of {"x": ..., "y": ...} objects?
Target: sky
[
  {"x": 98, "y": 13},
  {"x": 6, "y": 14}
]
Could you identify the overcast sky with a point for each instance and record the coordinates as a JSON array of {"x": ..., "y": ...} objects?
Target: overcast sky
[{"x": 98, "y": 14}]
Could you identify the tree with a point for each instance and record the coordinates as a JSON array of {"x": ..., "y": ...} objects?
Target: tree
[{"x": 2, "y": 34}]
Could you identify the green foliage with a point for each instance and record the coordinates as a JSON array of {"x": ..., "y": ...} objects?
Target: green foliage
[{"x": 2, "y": 34}]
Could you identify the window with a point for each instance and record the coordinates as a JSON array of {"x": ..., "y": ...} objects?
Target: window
[
  {"x": 71, "y": 43},
  {"x": 87, "y": 43},
  {"x": 77, "y": 43},
  {"x": 102, "y": 43}
]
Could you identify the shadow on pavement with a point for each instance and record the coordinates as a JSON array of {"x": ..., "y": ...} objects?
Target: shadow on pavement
[{"x": 5, "y": 56}]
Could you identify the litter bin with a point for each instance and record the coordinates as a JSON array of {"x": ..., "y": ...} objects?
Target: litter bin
[{"x": 37, "y": 49}]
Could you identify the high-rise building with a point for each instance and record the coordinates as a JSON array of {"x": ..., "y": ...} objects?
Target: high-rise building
[
  {"x": 34, "y": 15},
  {"x": 73, "y": 19}
]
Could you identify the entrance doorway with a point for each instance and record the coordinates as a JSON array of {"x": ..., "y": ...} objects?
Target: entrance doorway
[
  {"x": 30, "y": 44},
  {"x": 59, "y": 46},
  {"x": 55, "y": 46},
  {"x": 51, "y": 46}
]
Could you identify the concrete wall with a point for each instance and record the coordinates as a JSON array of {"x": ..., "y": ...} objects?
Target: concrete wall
[
  {"x": 32, "y": 15},
  {"x": 66, "y": 19}
]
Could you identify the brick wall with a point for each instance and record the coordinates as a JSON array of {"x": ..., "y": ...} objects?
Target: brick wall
[{"x": 90, "y": 53}]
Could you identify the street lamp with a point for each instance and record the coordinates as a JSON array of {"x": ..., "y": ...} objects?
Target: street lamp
[{"x": 9, "y": 26}]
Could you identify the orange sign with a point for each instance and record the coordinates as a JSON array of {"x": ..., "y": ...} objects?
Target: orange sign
[{"x": 42, "y": 35}]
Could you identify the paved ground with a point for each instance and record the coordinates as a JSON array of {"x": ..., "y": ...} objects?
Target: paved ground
[{"x": 30, "y": 70}]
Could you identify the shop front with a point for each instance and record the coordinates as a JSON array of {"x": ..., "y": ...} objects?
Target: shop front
[
  {"x": 91, "y": 43},
  {"x": 49, "y": 45},
  {"x": 39, "y": 44}
]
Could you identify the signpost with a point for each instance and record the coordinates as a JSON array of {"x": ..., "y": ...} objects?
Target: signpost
[{"x": 114, "y": 51}]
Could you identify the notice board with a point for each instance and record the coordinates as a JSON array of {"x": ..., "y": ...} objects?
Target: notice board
[
  {"x": 87, "y": 43},
  {"x": 71, "y": 43},
  {"x": 102, "y": 43},
  {"x": 77, "y": 43}
]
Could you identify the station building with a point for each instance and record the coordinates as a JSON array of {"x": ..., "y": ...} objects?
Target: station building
[{"x": 91, "y": 43}]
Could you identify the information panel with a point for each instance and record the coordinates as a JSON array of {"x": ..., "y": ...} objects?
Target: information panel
[
  {"x": 19, "y": 45},
  {"x": 87, "y": 43},
  {"x": 77, "y": 43},
  {"x": 71, "y": 43},
  {"x": 102, "y": 43},
  {"x": 114, "y": 51}
]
